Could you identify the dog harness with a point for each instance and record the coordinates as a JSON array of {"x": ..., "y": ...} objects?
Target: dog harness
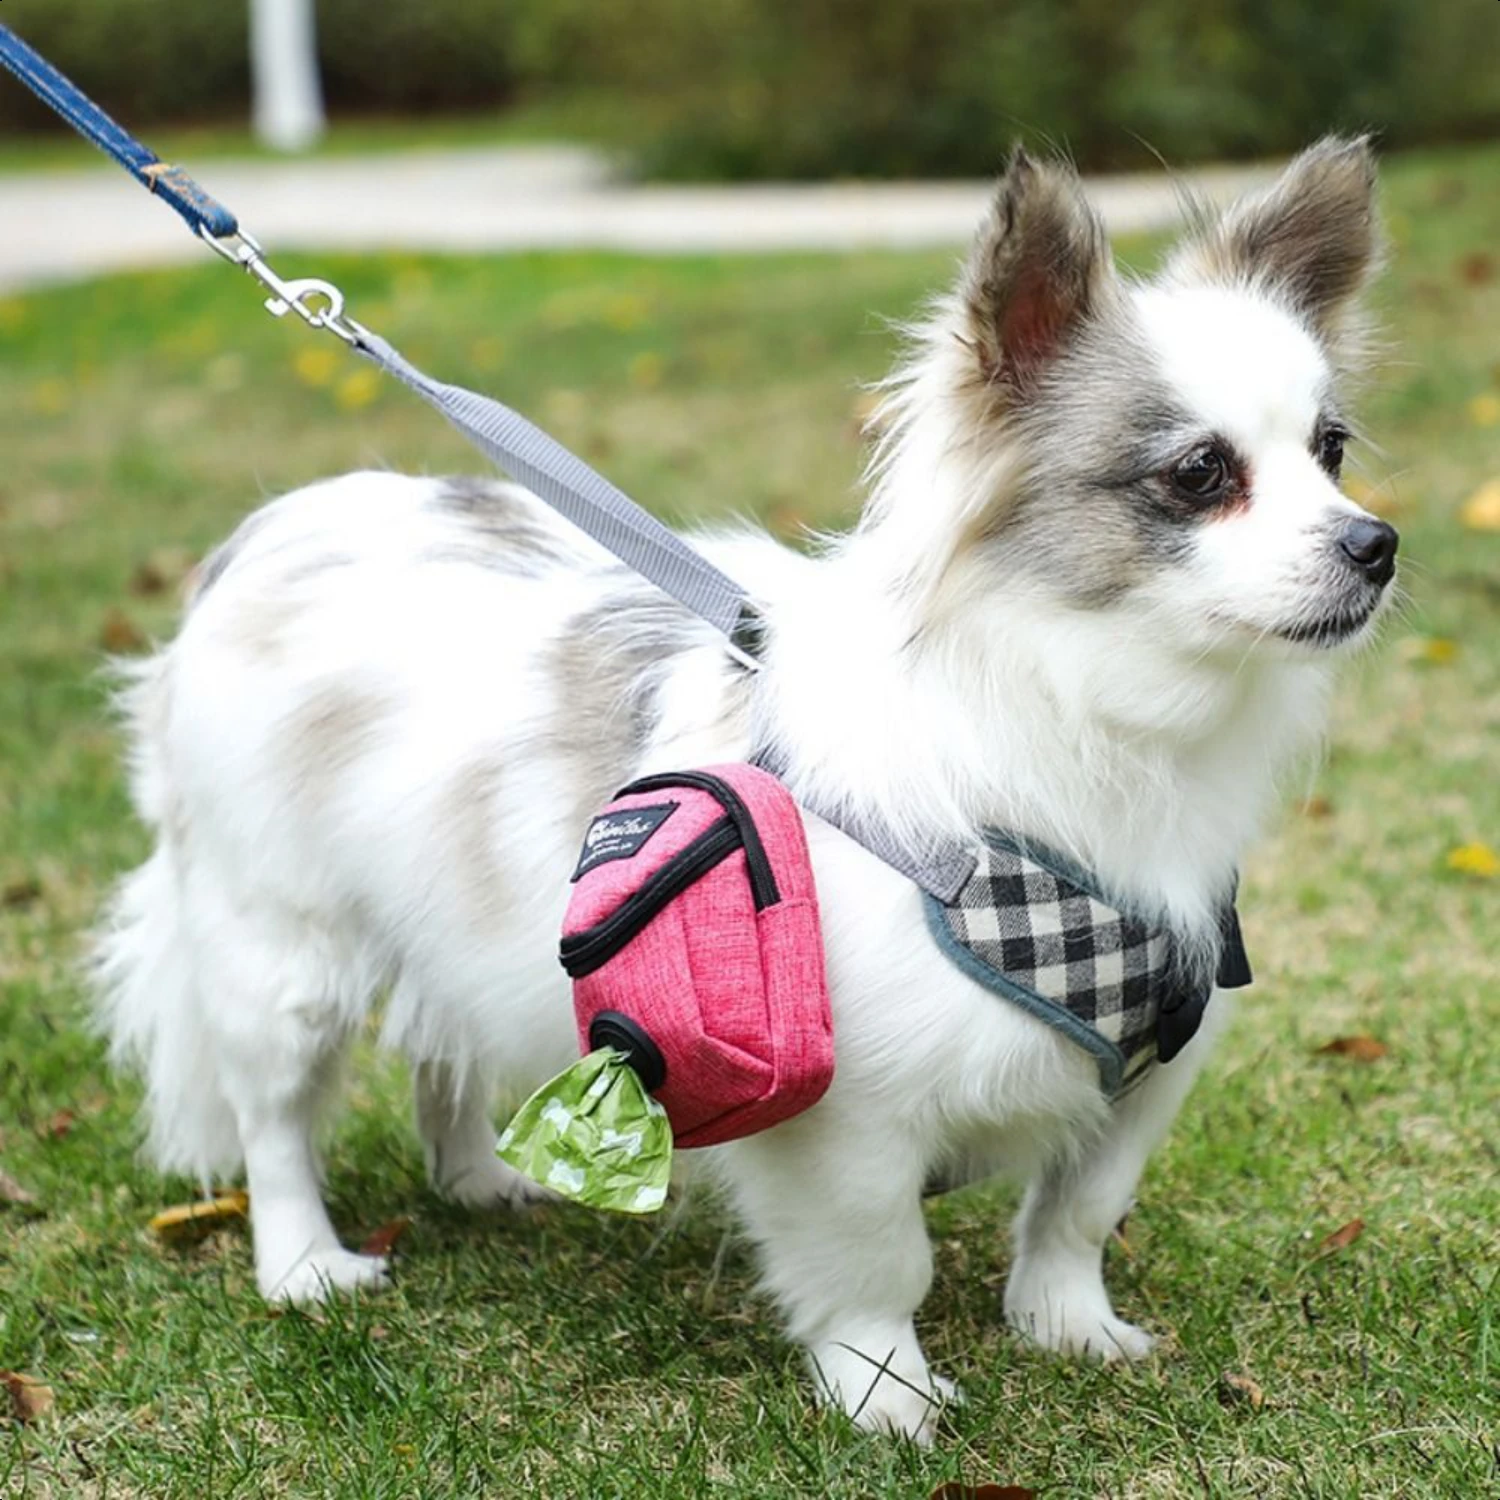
[{"x": 1032, "y": 927}]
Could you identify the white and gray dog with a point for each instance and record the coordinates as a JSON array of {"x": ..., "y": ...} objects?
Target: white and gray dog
[{"x": 1096, "y": 597}]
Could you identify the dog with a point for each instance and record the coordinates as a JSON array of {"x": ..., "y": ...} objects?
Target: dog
[{"x": 1096, "y": 597}]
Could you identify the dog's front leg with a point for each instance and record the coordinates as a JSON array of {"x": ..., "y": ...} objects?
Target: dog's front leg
[
  {"x": 836, "y": 1211},
  {"x": 1055, "y": 1294}
]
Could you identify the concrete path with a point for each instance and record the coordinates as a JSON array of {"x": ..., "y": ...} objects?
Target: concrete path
[{"x": 58, "y": 226}]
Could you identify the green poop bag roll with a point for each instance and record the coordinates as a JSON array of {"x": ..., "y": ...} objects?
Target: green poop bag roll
[{"x": 595, "y": 1135}]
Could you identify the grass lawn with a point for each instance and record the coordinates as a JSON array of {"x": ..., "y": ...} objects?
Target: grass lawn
[
  {"x": 579, "y": 1356},
  {"x": 594, "y": 119}
]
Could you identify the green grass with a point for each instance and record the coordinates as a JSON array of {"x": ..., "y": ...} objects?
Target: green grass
[
  {"x": 572, "y": 1355},
  {"x": 593, "y": 118}
]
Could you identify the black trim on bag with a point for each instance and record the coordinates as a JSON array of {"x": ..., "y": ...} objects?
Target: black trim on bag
[
  {"x": 762, "y": 877},
  {"x": 583, "y": 952}
]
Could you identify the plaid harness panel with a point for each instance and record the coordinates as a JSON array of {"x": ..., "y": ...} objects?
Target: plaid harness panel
[{"x": 1041, "y": 938}]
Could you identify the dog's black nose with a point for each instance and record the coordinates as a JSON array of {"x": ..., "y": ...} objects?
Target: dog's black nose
[{"x": 1371, "y": 545}]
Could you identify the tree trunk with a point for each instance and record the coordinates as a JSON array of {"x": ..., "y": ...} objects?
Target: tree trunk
[{"x": 288, "y": 111}]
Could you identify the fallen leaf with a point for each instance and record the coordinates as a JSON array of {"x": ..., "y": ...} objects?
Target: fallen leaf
[
  {"x": 1481, "y": 511},
  {"x": 191, "y": 1221},
  {"x": 1484, "y": 409},
  {"x": 59, "y": 1125},
  {"x": 11, "y": 1191},
  {"x": 383, "y": 1240},
  {"x": 1360, "y": 1048},
  {"x": 954, "y": 1490},
  {"x": 1317, "y": 807},
  {"x": 120, "y": 632},
  {"x": 1343, "y": 1237},
  {"x": 1240, "y": 1390},
  {"x": 29, "y": 1398},
  {"x": 1476, "y": 268},
  {"x": 163, "y": 569},
  {"x": 20, "y": 892},
  {"x": 1475, "y": 859}
]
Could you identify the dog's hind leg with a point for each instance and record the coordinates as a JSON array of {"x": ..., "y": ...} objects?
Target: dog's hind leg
[
  {"x": 286, "y": 999},
  {"x": 1055, "y": 1294},
  {"x": 838, "y": 1217},
  {"x": 458, "y": 1140}
]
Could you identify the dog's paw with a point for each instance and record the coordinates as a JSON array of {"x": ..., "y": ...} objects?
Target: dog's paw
[
  {"x": 326, "y": 1273},
  {"x": 897, "y": 1402},
  {"x": 488, "y": 1182},
  {"x": 1083, "y": 1331}
]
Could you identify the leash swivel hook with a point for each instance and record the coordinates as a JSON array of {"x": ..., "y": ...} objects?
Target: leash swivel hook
[{"x": 318, "y": 303}]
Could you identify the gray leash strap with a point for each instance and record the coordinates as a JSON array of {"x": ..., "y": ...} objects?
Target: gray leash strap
[
  {"x": 637, "y": 538},
  {"x": 577, "y": 492}
]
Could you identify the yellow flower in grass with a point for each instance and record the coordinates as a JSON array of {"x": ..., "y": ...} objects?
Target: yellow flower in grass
[
  {"x": 645, "y": 370},
  {"x": 12, "y": 314},
  {"x": 1484, "y": 410},
  {"x": 1475, "y": 859},
  {"x": 316, "y": 365},
  {"x": 50, "y": 397},
  {"x": 1481, "y": 511},
  {"x": 357, "y": 389},
  {"x": 626, "y": 312},
  {"x": 487, "y": 353}
]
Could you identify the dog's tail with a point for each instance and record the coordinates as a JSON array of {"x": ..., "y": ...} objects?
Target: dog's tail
[{"x": 147, "y": 998}]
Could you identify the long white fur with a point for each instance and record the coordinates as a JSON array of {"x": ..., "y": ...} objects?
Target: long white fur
[{"x": 284, "y": 897}]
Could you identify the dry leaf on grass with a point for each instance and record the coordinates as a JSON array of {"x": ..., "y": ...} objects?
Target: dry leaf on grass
[
  {"x": 1240, "y": 1390},
  {"x": 28, "y": 1398},
  {"x": 1343, "y": 1237},
  {"x": 1476, "y": 268},
  {"x": 1475, "y": 859},
  {"x": 58, "y": 1126},
  {"x": 120, "y": 633},
  {"x": 20, "y": 892},
  {"x": 191, "y": 1221},
  {"x": 1481, "y": 511},
  {"x": 955, "y": 1490},
  {"x": 11, "y": 1191},
  {"x": 1360, "y": 1048},
  {"x": 383, "y": 1240},
  {"x": 160, "y": 570},
  {"x": 1317, "y": 807}
]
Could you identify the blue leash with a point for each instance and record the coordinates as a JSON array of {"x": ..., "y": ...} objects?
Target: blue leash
[
  {"x": 577, "y": 492},
  {"x": 203, "y": 214}
]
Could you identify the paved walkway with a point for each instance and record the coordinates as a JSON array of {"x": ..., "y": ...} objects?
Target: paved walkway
[{"x": 65, "y": 225}]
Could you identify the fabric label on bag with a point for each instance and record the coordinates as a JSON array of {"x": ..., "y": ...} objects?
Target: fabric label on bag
[{"x": 620, "y": 835}]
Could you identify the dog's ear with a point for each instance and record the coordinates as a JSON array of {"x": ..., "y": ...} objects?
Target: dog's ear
[
  {"x": 1311, "y": 237},
  {"x": 1040, "y": 266}
]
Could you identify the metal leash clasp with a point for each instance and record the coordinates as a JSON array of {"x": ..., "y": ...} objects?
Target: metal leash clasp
[{"x": 301, "y": 296}]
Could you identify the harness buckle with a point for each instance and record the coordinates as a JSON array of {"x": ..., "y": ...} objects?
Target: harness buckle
[{"x": 301, "y": 296}]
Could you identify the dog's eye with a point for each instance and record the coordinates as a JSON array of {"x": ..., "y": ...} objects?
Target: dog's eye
[
  {"x": 1331, "y": 451},
  {"x": 1203, "y": 475}
]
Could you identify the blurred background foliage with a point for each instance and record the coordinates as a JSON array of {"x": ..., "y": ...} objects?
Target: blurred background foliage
[{"x": 810, "y": 88}]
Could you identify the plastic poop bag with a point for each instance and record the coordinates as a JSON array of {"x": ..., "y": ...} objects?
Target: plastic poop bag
[{"x": 595, "y": 1135}]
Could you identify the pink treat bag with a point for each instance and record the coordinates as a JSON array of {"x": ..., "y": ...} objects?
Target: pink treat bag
[{"x": 694, "y": 945}]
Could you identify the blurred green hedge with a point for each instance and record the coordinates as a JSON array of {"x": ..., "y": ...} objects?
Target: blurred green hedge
[{"x": 768, "y": 88}]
